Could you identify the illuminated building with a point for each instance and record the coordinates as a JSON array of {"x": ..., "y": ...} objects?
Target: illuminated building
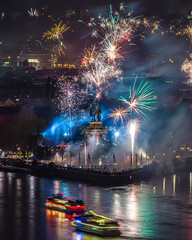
[
  {"x": 65, "y": 65},
  {"x": 13, "y": 62},
  {"x": 39, "y": 61}
]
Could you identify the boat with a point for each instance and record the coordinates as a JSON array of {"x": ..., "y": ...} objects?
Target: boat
[
  {"x": 92, "y": 223},
  {"x": 66, "y": 204}
]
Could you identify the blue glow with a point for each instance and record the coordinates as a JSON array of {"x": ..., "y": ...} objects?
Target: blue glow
[
  {"x": 116, "y": 134},
  {"x": 63, "y": 127},
  {"x": 78, "y": 221}
]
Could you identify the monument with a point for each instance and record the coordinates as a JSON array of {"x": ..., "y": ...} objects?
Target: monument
[
  {"x": 95, "y": 127},
  {"x": 95, "y": 134}
]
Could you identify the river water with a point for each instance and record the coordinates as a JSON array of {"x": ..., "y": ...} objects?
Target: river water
[{"x": 160, "y": 209}]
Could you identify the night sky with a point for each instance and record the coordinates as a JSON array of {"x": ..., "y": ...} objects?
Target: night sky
[
  {"x": 17, "y": 27},
  {"x": 57, "y": 6}
]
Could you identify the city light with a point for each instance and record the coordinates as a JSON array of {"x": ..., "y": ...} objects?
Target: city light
[{"x": 96, "y": 112}]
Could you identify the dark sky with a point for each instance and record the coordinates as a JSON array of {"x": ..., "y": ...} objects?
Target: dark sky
[{"x": 151, "y": 6}]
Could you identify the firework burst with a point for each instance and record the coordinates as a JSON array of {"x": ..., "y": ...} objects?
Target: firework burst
[
  {"x": 99, "y": 73},
  {"x": 112, "y": 31},
  {"x": 56, "y": 35},
  {"x": 133, "y": 128},
  {"x": 119, "y": 114},
  {"x": 33, "y": 13},
  {"x": 104, "y": 66},
  {"x": 111, "y": 51},
  {"x": 56, "y": 32},
  {"x": 89, "y": 56},
  {"x": 115, "y": 27},
  {"x": 141, "y": 99},
  {"x": 96, "y": 74}
]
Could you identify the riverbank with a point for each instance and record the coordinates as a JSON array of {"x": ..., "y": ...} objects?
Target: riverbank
[{"x": 84, "y": 175}]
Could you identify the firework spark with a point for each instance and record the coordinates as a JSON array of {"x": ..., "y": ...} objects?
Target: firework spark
[
  {"x": 59, "y": 48},
  {"x": 89, "y": 56},
  {"x": 33, "y": 13},
  {"x": 119, "y": 114},
  {"x": 156, "y": 26},
  {"x": 133, "y": 128},
  {"x": 146, "y": 22},
  {"x": 70, "y": 95},
  {"x": 141, "y": 98},
  {"x": 188, "y": 32},
  {"x": 187, "y": 69},
  {"x": 153, "y": 25}
]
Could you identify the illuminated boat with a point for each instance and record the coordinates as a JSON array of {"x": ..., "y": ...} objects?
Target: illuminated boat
[
  {"x": 93, "y": 223},
  {"x": 66, "y": 204}
]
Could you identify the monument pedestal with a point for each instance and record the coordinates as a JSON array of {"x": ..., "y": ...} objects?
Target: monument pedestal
[{"x": 96, "y": 128}]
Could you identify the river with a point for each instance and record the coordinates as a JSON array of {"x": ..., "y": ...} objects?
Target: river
[{"x": 160, "y": 209}]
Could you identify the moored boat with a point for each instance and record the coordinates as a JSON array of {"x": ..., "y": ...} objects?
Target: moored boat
[
  {"x": 66, "y": 204},
  {"x": 93, "y": 223}
]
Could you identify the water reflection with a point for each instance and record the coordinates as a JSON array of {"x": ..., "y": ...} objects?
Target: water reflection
[
  {"x": 174, "y": 184},
  {"x": 164, "y": 181},
  {"x": 58, "y": 217},
  {"x": 117, "y": 209},
  {"x": 132, "y": 212},
  {"x": 144, "y": 211},
  {"x": 56, "y": 184},
  {"x": 84, "y": 236},
  {"x": 190, "y": 188}
]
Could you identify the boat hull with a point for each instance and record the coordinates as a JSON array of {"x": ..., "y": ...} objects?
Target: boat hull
[
  {"x": 64, "y": 208},
  {"x": 97, "y": 231}
]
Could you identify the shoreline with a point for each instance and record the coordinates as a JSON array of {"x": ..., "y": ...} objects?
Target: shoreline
[{"x": 89, "y": 176}]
